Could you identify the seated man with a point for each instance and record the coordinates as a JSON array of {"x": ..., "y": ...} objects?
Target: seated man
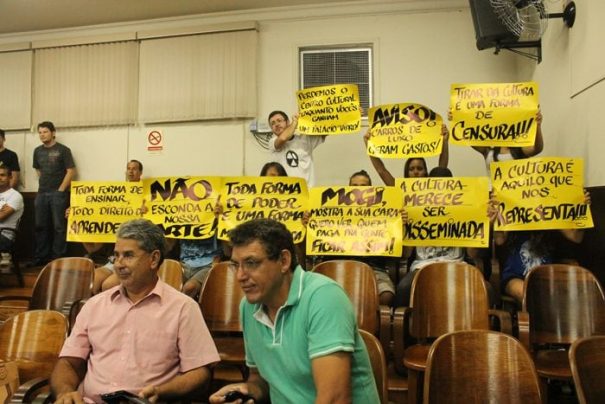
[
  {"x": 11, "y": 210},
  {"x": 142, "y": 336},
  {"x": 300, "y": 334}
]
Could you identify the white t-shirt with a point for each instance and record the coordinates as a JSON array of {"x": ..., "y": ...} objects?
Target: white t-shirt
[
  {"x": 296, "y": 155},
  {"x": 15, "y": 201}
]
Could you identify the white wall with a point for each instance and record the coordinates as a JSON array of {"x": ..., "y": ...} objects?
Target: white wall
[
  {"x": 572, "y": 88},
  {"x": 417, "y": 55}
]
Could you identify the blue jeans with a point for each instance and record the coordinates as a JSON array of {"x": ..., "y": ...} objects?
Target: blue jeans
[{"x": 51, "y": 225}]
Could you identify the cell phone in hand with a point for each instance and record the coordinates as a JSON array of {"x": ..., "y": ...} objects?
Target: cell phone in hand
[
  {"x": 122, "y": 396},
  {"x": 237, "y": 395}
]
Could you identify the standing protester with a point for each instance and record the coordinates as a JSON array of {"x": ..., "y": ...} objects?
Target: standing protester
[
  {"x": 9, "y": 159},
  {"x": 55, "y": 167}
]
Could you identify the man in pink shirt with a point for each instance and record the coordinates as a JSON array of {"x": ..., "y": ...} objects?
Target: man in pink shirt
[{"x": 142, "y": 336}]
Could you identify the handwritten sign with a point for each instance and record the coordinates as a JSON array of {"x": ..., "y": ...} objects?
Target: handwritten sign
[
  {"x": 540, "y": 193},
  {"x": 446, "y": 212},
  {"x": 98, "y": 208},
  {"x": 182, "y": 206},
  {"x": 494, "y": 114},
  {"x": 280, "y": 198},
  {"x": 329, "y": 110},
  {"x": 404, "y": 130},
  {"x": 359, "y": 221}
]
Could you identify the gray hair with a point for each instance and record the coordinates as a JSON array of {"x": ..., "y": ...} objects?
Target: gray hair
[{"x": 148, "y": 235}]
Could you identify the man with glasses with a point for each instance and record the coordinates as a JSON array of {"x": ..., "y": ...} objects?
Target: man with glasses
[
  {"x": 300, "y": 334},
  {"x": 142, "y": 336},
  {"x": 293, "y": 151}
]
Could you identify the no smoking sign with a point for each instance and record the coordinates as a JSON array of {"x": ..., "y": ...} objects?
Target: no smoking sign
[{"x": 155, "y": 141}]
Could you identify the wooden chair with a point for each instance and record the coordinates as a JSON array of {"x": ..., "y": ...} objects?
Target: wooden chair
[
  {"x": 359, "y": 282},
  {"x": 219, "y": 300},
  {"x": 378, "y": 362},
  {"x": 587, "y": 359},
  {"x": 446, "y": 297},
  {"x": 561, "y": 304},
  {"x": 33, "y": 339},
  {"x": 479, "y": 366},
  {"x": 171, "y": 272}
]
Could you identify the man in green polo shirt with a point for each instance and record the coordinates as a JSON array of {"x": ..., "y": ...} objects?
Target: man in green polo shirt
[{"x": 302, "y": 343}]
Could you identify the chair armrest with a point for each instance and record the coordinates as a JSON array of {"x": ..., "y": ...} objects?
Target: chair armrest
[
  {"x": 26, "y": 392},
  {"x": 505, "y": 322},
  {"x": 401, "y": 320},
  {"x": 21, "y": 298},
  {"x": 386, "y": 332},
  {"x": 523, "y": 323}
]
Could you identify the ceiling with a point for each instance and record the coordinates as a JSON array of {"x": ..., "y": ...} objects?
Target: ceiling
[{"x": 34, "y": 15}]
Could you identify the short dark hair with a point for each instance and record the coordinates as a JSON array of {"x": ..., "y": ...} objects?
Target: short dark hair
[
  {"x": 441, "y": 172},
  {"x": 361, "y": 173},
  {"x": 282, "y": 113},
  {"x": 2, "y": 134},
  {"x": 271, "y": 234},
  {"x": 139, "y": 164},
  {"x": 148, "y": 236},
  {"x": 7, "y": 168},
  {"x": 273, "y": 164},
  {"x": 48, "y": 125}
]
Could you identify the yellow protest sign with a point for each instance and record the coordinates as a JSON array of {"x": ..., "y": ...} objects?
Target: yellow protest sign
[
  {"x": 182, "y": 206},
  {"x": 494, "y": 114},
  {"x": 445, "y": 212},
  {"x": 283, "y": 199},
  {"x": 404, "y": 130},
  {"x": 540, "y": 193},
  {"x": 329, "y": 110},
  {"x": 359, "y": 221},
  {"x": 98, "y": 208}
]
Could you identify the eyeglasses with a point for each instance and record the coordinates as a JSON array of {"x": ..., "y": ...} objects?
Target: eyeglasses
[
  {"x": 127, "y": 257},
  {"x": 247, "y": 265}
]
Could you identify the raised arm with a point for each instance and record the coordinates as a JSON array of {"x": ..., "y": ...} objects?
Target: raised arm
[
  {"x": 444, "y": 157},
  {"x": 538, "y": 146},
  {"x": 382, "y": 171},
  {"x": 65, "y": 379},
  {"x": 287, "y": 134}
]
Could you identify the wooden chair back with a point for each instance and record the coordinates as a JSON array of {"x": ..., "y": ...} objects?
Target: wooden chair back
[
  {"x": 171, "y": 272},
  {"x": 564, "y": 302},
  {"x": 378, "y": 362},
  {"x": 33, "y": 339},
  {"x": 587, "y": 357},
  {"x": 60, "y": 281},
  {"x": 447, "y": 297},
  {"x": 480, "y": 366},
  {"x": 358, "y": 281},
  {"x": 220, "y": 298}
]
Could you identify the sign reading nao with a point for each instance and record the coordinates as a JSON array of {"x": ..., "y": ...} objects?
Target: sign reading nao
[{"x": 182, "y": 206}]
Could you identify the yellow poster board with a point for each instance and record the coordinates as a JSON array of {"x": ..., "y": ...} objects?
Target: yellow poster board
[
  {"x": 494, "y": 114},
  {"x": 98, "y": 208},
  {"x": 283, "y": 199},
  {"x": 403, "y": 131},
  {"x": 362, "y": 221},
  {"x": 182, "y": 206},
  {"x": 445, "y": 212},
  {"x": 329, "y": 110},
  {"x": 540, "y": 194}
]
